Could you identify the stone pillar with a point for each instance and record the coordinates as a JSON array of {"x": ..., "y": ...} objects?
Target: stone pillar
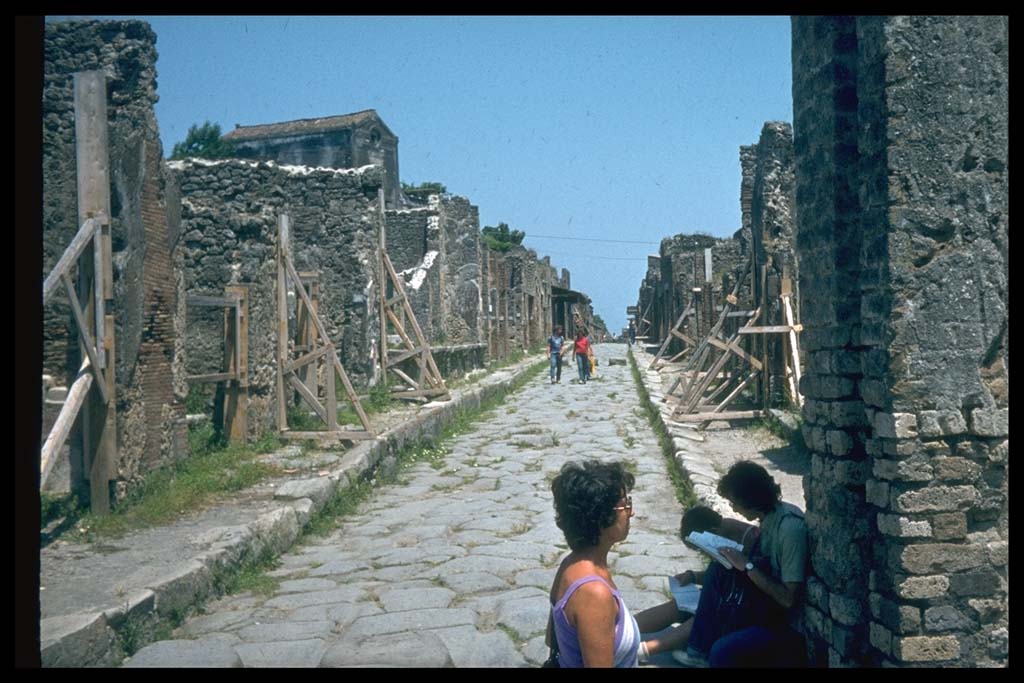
[{"x": 901, "y": 192}]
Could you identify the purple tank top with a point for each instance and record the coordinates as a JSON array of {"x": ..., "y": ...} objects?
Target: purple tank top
[{"x": 626, "y": 642}]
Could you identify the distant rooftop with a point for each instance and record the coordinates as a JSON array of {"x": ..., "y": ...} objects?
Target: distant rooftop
[{"x": 304, "y": 126}]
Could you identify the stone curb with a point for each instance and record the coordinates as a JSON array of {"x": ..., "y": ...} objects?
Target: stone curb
[
  {"x": 687, "y": 452},
  {"x": 90, "y": 639}
]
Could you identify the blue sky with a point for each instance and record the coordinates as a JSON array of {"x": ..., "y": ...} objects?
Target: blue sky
[{"x": 601, "y": 128}]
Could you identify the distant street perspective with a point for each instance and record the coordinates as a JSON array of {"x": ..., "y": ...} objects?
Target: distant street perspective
[{"x": 300, "y": 410}]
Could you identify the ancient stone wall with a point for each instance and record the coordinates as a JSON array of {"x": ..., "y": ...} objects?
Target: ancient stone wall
[
  {"x": 901, "y": 197},
  {"x": 772, "y": 238},
  {"x": 230, "y": 213},
  {"x": 150, "y": 417}
]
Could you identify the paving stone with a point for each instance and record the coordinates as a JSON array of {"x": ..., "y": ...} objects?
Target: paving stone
[
  {"x": 342, "y": 594},
  {"x": 306, "y": 585},
  {"x": 467, "y": 583},
  {"x": 403, "y": 599},
  {"x": 185, "y": 654},
  {"x": 296, "y": 653},
  {"x": 415, "y": 620},
  {"x": 470, "y": 648},
  {"x": 421, "y": 650},
  {"x": 289, "y": 630}
]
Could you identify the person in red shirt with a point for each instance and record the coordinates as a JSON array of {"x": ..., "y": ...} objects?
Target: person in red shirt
[{"x": 581, "y": 352}]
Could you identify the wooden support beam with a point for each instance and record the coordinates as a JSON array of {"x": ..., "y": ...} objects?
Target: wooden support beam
[
  {"x": 735, "y": 392},
  {"x": 770, "y": 329},
  {"x": 282, "y": 320},
  {"x": 203, "y": 300},
  {"x": 403, "y": 356},
  {"x": 351, "y": 393},
  {"x": 305, "y": 393},
  {"x": 211, "y": 377},
  {"x": 65, "y": 421},
  {"x": 307, "y": 359},
  {"x": 87, "y": 342},
  {"x": 331, "y": 393},
  {"x": 236, "y": 404},
  {"x": 725, "y": 415},
  {"x": 78, "y": 244}
]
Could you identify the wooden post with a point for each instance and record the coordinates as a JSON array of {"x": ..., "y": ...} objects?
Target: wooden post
[
  {"x": 383, "y": 279},
  {"x": 306, "y": 331},
  {"x": 236, "y": 404},
  {"x": 282, "y": 320},
  {"x": 331, "y": 391},
  {"x": 99, "y": 420}
]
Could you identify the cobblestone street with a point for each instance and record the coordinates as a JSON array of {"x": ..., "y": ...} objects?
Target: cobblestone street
[{"x": 451, "y": 565}]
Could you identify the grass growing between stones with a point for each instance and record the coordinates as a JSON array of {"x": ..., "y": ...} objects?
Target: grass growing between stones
[
  {"x": 170, "y": 492},
  {"x": 680, "y": 477}
]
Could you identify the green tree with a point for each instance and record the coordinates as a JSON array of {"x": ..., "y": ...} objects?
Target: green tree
[
  {"x": 423, "y": 190},
  {"x": 204, "y": 142},
  {"x": 501, "y": 238}
]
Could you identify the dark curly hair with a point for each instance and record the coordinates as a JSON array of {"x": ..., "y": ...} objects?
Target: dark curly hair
[
  {"x": 698, "y": 518},
  {"x": 585, "y": 494},
  {"x": 750, "y": 485}
]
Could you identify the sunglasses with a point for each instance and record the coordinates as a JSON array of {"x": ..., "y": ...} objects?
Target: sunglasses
[{"x": 627, "y": 506}]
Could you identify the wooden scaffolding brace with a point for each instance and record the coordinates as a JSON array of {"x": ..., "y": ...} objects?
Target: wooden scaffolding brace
[
  {"x": 676, "y": 333},
  {"x": 232, "y": 412},
  {"x": 697, "y": 402},
  {"x": 641, "y": 332},
  {"x": 396, "y": 309},
  {"x": 91, "y": 415},
  {"x": 320, "y": 346}
]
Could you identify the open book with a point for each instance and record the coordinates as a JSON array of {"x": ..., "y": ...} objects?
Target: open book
[
  {"x": 710, "y": 543},
  {"x": 686, "y": 596}
]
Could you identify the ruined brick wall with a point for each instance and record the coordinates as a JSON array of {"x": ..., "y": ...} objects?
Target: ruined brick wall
[
  {"x": 901, "y": 196},
  {"x": 414, "y": 247},
  {"x": 460, "y": 270},
  {"x": 230, "y": 213},
  {"x": 772, "y": 238},
  {"x": 677, "y": 272},
  {"x": 150, "y": 418}
]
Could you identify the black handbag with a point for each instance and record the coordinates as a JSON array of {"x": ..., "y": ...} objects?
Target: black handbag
[{"x": 552, "y": 661}]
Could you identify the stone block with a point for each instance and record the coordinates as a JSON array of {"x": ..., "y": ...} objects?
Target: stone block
[
  {"x": 900, "y": 447},
  {"x": 847, "y": 414},
  {"x": 998, "y": 553},
  {"x": 986, "y": 422},
  {"x": 945, "y": 618},
  {"x": 956, "y": 469},
  {"x": 923, "y": 587},
  {"x": 880, "y": 637},
  {"x": 817, "y": 593},
  {"x": 839, "y": 442},
  {"x": 935, "y": 449},
  {"x": 818, "y": 624},
  {"x": 936, "y": 499},
  {"x": 949, "y": 526},
  {"x": 846, "y": 641},
  {"x": 926, "y": 648},
  {"x": 831, "y": 387},
  {"x": 914, "y": 468},
  {"x": 998, "y": 453},
  {"x": 897, "y": 618},
  {"x": 987, "y": 610},
  {"x": 938, "y": 423},
  {"x": 901, "y": 527},
  {"x": 931, "y": 558},
  {"x": 877, "y": 493},
  {"x": 999, "y": 643},
  {"x": 851, "y": 472},
  {"x": 873, "y": 392},
  {"x": 845, "y": 610},
  {"x": 895, "y": 425},
  {"x": 984, "y": 582}
]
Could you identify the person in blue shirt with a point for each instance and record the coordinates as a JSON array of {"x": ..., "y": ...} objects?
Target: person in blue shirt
[{"x": 555, "y": 342}]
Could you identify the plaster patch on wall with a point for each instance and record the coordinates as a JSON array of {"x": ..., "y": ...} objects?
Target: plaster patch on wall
[{"x": 419, "y": 273}]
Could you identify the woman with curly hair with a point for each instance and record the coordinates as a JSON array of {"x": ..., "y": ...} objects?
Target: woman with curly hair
[{"x": 589, "y": 620}]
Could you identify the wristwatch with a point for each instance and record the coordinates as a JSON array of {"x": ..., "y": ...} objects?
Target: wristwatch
[{"x": 749, "y": 567}]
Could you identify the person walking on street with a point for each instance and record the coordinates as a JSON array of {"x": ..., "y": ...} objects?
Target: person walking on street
[
  {"x": 632, "y": 332},
  {"x": 555, "y": 342},
  {"x": 581, "y": 354}
]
